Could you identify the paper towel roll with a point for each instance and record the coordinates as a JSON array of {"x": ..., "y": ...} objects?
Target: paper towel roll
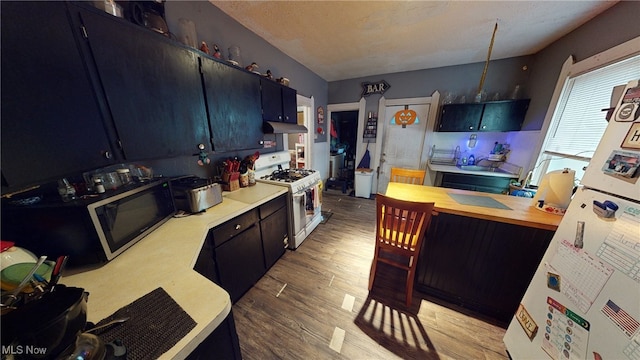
[{"x": 556, "y": 188}]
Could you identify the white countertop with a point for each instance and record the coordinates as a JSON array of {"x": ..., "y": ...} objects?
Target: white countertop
[
  {"x": 457, "y": 170},
  {"x": 165, "y": 258}
]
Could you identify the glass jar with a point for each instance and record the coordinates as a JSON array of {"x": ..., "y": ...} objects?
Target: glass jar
[
  {"x": 66, "y": 190},
  {"x": 111, "y": 181},
  {"x": 98, "y": 186},
  {"x": 125, "y": 176}
]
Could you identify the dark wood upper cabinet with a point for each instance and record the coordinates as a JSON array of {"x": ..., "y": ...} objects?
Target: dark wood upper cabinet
[
  {"x": 279, "y": 102},
  {"x": 289, "y": 105},
  {"x": 506, "y": 115},
  {"x": 233, "y": 103},
  {"x": 52, "y": 125},
  {"x": 152, "y": 87},
  {"x": 460, "y": 117}
]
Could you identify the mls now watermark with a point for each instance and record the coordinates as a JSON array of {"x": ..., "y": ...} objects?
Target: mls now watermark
[{"x": 23, "y": 350}]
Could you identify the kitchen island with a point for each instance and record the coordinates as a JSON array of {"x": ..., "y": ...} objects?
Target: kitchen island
[
  {"x": 165, "y": 258},
  {"x": 481, "y": 249}
]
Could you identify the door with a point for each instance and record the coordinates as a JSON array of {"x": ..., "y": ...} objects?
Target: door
[
  {"x": 401, "y": 145},
  {"x": 49, "y": 112},
  {"x": 153, "y": 88},
  {"x": 589, "y": 272},
  {"x": 235, "y": 116},
  {"x": 460, "y": 117}
]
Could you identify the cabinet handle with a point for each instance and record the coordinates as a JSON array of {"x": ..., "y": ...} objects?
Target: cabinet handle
[
  {"x": 238, "y": 226},
  {"x": 470, "y": 127},
  {"x": 484, "y": 126},
  {"x": 279, "y": 117},
  {"x": 107, "y": 155}
]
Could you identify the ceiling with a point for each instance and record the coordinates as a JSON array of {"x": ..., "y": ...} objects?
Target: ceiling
[{"x": 349, "y": 39}]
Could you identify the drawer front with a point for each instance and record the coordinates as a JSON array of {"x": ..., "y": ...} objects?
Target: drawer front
[
  {"x": 234, "y": 227},
  {"x": 272, "y": 206}
]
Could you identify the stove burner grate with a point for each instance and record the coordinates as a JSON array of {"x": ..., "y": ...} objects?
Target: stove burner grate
[{"x": 288, "y": 175}]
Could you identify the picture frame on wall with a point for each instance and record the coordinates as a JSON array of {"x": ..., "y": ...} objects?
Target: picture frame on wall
[{"x": 320, "y": 112}]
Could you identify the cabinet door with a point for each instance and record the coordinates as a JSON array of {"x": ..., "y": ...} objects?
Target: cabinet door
[
  {"x": 289, "y": 105},
  {"x": 275, "y": 236},
  {"x": 271, "y": 100},
  {"x": 233, "y": 102},
  {"x": 460, "y": 117},
  {"x": 240, "y": 262},
  {"x": 470, "y": 262},
  {"x": 152, "y": 86},
  {"x": 206, "y": 264},
  {"x": 504, "y": 115},
  {"x": 223, "y": 342},
  {"x": 489, "y": 184},
  {"x": 51, "y": 122}
]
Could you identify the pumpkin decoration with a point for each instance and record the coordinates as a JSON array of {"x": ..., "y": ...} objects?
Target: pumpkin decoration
[{"x": 405, "y": 117}]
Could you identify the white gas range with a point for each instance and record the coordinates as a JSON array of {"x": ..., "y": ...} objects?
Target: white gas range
[{"x": 304, "y": 193}]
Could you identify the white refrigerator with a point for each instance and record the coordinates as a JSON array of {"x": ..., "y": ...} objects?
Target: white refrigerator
[{"x": 584, "y": 300}]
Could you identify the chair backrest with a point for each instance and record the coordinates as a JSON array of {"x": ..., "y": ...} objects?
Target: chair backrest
[
  {"x": 407, "y": 176},
  {"x": 401, "y": 225}
]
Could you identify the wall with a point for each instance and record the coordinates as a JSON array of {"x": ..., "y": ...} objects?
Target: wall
[
  {"x": 613, "y": 27},
  {"x": 537, "y": 80}
]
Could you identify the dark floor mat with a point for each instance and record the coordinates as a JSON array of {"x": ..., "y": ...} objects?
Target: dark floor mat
[
  {"x": 326, "y": 215},
  {"x": 156, "y": 323}
]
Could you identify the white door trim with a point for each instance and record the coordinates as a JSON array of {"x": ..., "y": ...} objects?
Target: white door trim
[
  {"x": 360, "y": 107},
  {"x": 306, "y": 105}
]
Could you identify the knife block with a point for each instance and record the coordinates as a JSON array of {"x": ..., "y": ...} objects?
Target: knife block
[{"x": 230, "y": 181}]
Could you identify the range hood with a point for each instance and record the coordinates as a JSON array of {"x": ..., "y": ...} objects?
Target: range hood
[{"x": 273, "y": 127}]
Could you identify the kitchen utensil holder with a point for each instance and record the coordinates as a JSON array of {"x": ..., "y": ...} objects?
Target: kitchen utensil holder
[{"x": 230, "y": 181}]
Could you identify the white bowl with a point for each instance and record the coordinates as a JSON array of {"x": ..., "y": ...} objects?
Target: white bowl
[{"x": 16, "y": 255}]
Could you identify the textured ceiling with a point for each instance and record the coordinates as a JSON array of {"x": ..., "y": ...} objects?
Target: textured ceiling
[{"x": 348, "y": 39}]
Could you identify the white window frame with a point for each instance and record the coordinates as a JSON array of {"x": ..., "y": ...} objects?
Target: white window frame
[{"x": 569, "y": 70}]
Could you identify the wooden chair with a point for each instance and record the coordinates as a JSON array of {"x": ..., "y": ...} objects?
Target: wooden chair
[
  {"x": 400, "y": 228},
  {"x": 407, "y": 176}
]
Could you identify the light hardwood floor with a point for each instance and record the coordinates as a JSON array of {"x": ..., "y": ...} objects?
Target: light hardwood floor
[{"x": 314, "y": 303}]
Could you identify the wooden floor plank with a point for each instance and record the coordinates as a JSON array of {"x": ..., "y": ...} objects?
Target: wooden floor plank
[{"x": 332, "y": 262}]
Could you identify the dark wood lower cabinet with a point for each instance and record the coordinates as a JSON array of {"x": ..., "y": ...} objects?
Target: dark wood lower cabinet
[
  {"x": 240, "y": 262},
  {"x": 482, "y": 265},
  {"x": 274, "y": 236},
  {"x": 222, "y": 344},
  {"x": 483, "y": 183},
  {"x": 235, "y": 255}
]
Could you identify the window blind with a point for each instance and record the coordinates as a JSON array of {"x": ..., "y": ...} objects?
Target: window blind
[{"x": 577, "y": 128}]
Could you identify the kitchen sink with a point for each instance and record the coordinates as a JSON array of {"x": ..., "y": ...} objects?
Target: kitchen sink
[{"x": 482, "y": 168}]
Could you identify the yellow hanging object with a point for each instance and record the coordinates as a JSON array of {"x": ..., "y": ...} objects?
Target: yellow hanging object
[{"x": 486, "y": 64}]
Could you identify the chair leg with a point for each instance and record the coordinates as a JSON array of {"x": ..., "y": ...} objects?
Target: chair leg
[
  {"x": 409, "y": 294},
  {"x": 372, "y": 273}
]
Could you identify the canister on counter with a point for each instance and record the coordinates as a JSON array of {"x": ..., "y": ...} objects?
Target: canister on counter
[
  {"x": 125, "y": 176},
  {"x": 252, "y": 177},
  {"x": 244, "y": 179}
]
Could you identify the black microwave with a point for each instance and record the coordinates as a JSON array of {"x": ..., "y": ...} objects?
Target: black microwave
[{"x": 93, "y": 230}]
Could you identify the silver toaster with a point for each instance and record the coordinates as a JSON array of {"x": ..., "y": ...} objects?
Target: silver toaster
[{"x": 193, "y": 194}]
